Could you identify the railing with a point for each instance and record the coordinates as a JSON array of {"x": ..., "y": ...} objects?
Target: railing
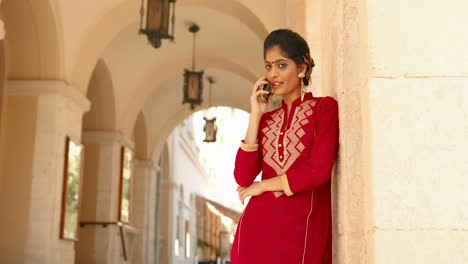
[{"x": 105, "y": 224}]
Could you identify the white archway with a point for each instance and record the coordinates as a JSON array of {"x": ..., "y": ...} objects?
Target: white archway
[
  {"x": 102, "y": 115},
  {"x": 126, "y": 13},
  {"x": 169, "y": 71},
  {"x": 34, "y": 40}
]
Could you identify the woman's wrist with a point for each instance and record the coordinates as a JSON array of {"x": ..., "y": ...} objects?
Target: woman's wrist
[
  {"x": 255, "y": 116},
  {"x": 272, "y": 185},
  {"x": 263, "y": 186}
]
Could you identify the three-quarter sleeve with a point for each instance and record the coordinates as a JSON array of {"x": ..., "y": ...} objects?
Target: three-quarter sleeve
[
  {"x": 316, "y": 170},
  {"x": 249, "y": 160}
]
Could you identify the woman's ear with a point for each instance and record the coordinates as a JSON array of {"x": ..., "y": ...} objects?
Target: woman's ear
[{"x": 302, "y": 69}]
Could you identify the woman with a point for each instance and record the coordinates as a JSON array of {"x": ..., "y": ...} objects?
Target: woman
[{"x": 288, "y": 218}]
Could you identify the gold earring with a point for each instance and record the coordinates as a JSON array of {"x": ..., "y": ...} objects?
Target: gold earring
[{"x": 301, "y": 76}]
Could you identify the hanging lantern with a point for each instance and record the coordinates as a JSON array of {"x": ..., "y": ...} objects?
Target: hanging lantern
[
  {"x": 193, "y": 80},
  {"x": 210, "y": 130},
  {"x": 210, "y": 127},
  {"x": 193, "y": 88},
  {"x": 157, "y": 20}
]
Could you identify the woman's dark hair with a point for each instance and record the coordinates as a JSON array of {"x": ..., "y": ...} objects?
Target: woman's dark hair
[{"x": 294, "y": 46}]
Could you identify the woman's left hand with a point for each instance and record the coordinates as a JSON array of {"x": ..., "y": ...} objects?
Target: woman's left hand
[{"x": 255, "y": 189}]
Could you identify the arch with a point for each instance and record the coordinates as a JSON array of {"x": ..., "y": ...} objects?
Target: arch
[
  {"x": 34, "y": 40},
  {"x": 102, "y": 115},
  {"x": 167, "y": 127},
  {"x": 170, "y": 70},
  {"x": 140, "y": 138},
  {"x": 126, "y": 13}
]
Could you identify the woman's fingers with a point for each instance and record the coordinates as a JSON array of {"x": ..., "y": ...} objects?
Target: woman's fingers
[
  {"x": 241, "y": 191},
  {"x": 259, "y": 83},
  {"x": 261, "y": 92},
  {"x": 244, "y": 194}
]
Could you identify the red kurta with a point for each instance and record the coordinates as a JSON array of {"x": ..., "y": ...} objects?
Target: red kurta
[{"x": 293, "y": 226}]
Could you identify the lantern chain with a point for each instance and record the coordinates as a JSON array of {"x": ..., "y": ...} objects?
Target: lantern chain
[
  {"x": 142, "y": 13},
  {"x": 193, "y": 55},
  {"x": 173, "y": 21}
]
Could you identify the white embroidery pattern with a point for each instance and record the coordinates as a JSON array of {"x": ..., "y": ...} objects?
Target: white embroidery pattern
[
  {"x": 270, "y": 139},
  {"x": 292, "y": 138},
  {"x": 293, "y": 146}
]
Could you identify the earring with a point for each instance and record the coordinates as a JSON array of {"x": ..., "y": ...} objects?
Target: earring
[{"x": 301, "y": 75}]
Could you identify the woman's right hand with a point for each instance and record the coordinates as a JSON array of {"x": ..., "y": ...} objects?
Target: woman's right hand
[{"x": 257, "y": 104}]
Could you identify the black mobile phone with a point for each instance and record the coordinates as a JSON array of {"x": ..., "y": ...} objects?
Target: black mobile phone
[{"x": 267, "y": 87}]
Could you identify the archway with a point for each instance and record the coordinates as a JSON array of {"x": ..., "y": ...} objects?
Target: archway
[
  {"x": 34, "y": 40},
  {"x": 126, "y": 13},
  {"x": 31, "y": 50},
  {"x": 102, "y": 116},
  {"x": 102, "y": 156}
]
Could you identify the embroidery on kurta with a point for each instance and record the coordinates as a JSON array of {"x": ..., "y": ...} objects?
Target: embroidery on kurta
[
  {"x": 291, "y": 142},
  {"x": 270, "y": 139},
  {"x": 292, "y": 138}
]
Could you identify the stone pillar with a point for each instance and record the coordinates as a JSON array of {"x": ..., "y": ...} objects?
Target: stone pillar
[
  {"x": 143, "y": 206},
  {"x": 167, "y": 221},
  {"x": 399, "y": 188},
  {"x": 155, "y": 221},
  {"x": 337, "y": 38},
  {"x": 100, "y": 244},
  {"x": 417, "y": 92},
  {"x": 59, "y": 113}
]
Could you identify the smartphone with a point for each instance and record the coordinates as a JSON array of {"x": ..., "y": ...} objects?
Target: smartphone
[{"x": 267, "y": 87}]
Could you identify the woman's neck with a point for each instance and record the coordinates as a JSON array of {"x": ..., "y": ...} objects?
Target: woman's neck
[{"x": 289, "y": 98}]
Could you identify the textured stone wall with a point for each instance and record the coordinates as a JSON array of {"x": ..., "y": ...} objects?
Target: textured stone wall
[
  {"x": 336, "y": 27},
  {"x": 58, "y": 109},
  {"x": 399, "y": 72},
  {"x": 418, "y": 87},
  {"x": 15, "y": 178}
]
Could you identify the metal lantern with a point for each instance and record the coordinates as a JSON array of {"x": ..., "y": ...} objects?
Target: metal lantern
[
  {"x": 193, "y": 80},
  {"x": 193, "y": 85},
  {"x": 157, "y": 20},
  {"x": 210, "y": 127},
  {"x": 210, "y": 130}
]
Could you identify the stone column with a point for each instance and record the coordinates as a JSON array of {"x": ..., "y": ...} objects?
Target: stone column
[
  {"x": 167, "y": 221},
  {"x": 59, "y": 113},
  {"x": 143, "y": 205},
  {"x": 400, "y": 182},
  {"x": 417, "y": 97},
  {"x": 100, "y": 244},
  {"x": 155, "y": 221}
]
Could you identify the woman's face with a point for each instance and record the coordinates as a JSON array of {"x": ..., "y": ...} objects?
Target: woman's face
[{"x": 282, "y": 72}]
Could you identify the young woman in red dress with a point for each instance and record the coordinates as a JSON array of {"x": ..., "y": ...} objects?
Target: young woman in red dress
[{"x": 288, "y": 217}]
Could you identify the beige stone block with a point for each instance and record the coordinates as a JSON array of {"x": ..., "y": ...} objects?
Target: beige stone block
[
  {"x": 419, "y": 149},
  {"x": 421, "y": 37},
  {"x": 421, "y": 247}
]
